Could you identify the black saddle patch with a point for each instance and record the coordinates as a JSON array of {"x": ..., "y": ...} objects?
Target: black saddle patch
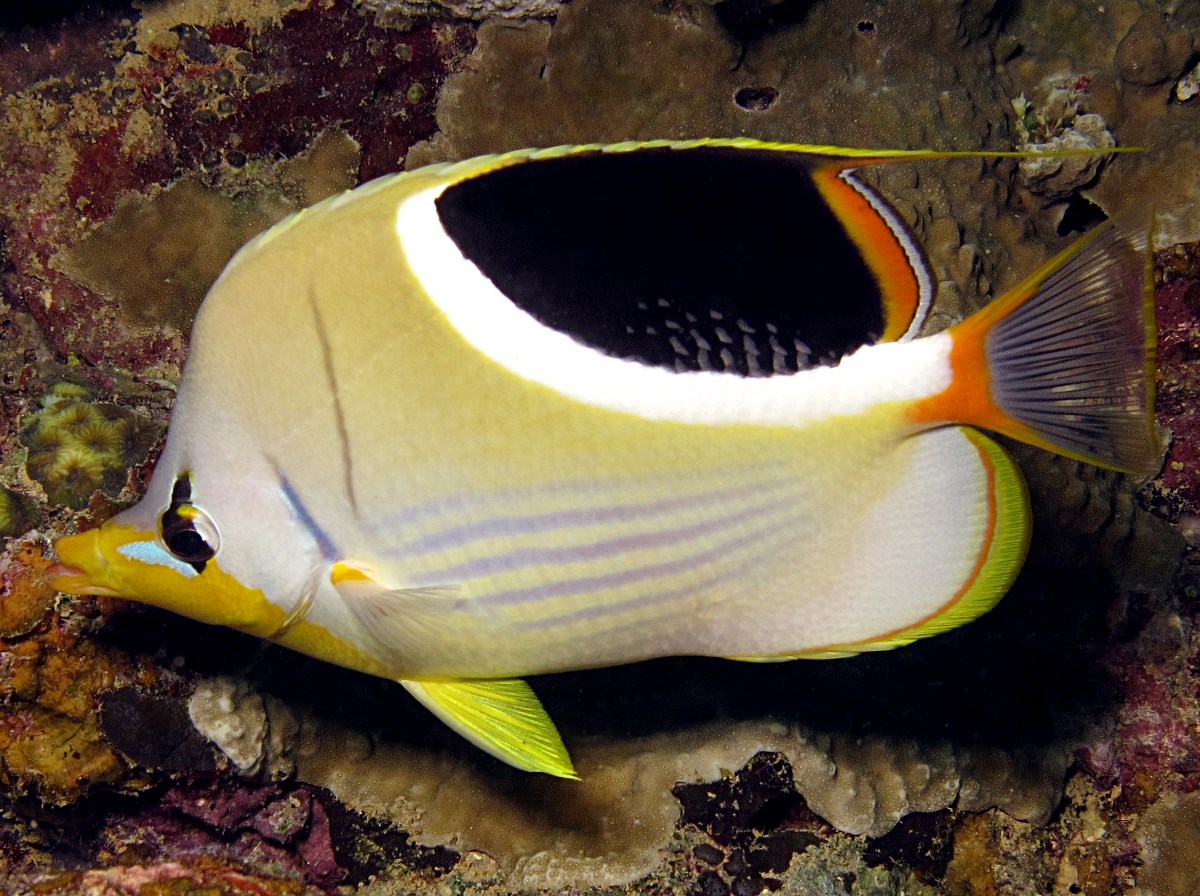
[{"x": 711, "y": 258}]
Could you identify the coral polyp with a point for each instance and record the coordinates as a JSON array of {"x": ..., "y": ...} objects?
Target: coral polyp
[
  {"x": 17, "y": 512},
  {"x": 102, "y": 437},
  {"x": 78, "y": 447}
]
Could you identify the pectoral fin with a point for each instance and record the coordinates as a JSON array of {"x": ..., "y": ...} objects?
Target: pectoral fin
[
  {"x": 502, "y": 717},
  {"x": 397, "y": 619}
]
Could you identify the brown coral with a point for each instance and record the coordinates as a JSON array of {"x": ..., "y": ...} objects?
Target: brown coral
[
  {"x": 17, "y": 512},
  {"x": 77, "y": 447},
  {"x": 51, "y": 742}
]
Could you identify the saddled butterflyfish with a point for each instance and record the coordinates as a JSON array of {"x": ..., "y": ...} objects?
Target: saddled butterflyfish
[{"x": 570, "y": 408}]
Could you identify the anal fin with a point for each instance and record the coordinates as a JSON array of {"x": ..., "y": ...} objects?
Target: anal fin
[
  {"x": 502, "y": 717},
  {"x": 938, "y": 547}
]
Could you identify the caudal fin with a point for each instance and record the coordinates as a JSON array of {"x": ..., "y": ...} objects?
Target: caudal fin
[{"x": 1065, "y": 360}]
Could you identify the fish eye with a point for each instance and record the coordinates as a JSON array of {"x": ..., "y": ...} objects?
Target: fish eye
[
  {"x": 190, "y": 536},
  {"x": 188, "y": 532}
]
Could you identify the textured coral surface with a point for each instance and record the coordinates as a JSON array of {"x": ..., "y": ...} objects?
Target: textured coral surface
[{"x": 1051, "y": 747}]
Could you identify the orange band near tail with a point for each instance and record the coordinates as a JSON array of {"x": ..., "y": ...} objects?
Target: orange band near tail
[
  {"x": 1064, "y": 361},
  {"x": 968, "y": 398}
]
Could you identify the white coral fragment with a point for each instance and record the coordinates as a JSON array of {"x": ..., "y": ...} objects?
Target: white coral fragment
[
  {"x": 1057, "y": 177},
  {"x": 254, "y": 733},
  {"x": 1189, "y": 85}
]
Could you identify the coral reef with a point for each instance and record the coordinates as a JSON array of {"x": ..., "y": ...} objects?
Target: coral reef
[
  {"x": 27, "y": 599},
  {"x": 1054, "y": 122},
  {"x": 1127, "y": 57},
  {"x": 1179, "y": 372},
  {"x": 1050, "y": 747},
  {"x": 1168, "y": 834},
  {"x": 1189, "y": 85},
  {"x": 207, "y": 227},
  {"x": 53, "y": 670},
  {"x": 279, "y": 832},
  {"x": 611, "y": 828},
  {"x": 256, "y": 734},
  {"x": 17, "y": 512},
  {"x": 78, "y": 447},
  {"x": 185, "y": 89},
  {"x": 168, "y": 877},
  {"x": 393, "y": 10}
]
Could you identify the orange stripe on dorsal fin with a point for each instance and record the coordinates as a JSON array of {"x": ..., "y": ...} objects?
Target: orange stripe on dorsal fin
[
  {"x": 1064, "y": 360},
  {"x": 887, "y": 245}
]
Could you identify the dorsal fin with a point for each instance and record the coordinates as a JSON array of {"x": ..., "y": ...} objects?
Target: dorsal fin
[
  {"x": 730, "y": 255},
  {"x": 708, "y": 257}
]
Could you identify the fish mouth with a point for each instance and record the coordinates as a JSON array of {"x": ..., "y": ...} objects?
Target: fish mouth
[
  {"x": 70, "y": 580},
  {"x": 77, "y": 555}
]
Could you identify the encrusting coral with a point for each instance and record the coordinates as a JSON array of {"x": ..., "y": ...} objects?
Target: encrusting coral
[
  {"x": 1168, "y": 833},
  {"x": 17, "y": 512},
  {"x": 78, "y": 447},
  {"x": 192, "y": 229},
  {"x": 51, "y": 673},
  {"x": 254, "y": 732}
]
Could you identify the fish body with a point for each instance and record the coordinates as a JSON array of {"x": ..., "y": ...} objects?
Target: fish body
[{"x": 579, "y": 407}]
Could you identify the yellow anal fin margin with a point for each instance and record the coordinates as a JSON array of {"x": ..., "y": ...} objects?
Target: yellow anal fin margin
[
  {"x": 502, "y": 717},
  {"x": 996, "y": 567}
]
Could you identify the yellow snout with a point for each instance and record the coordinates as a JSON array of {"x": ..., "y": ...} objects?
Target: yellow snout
[
  {"x": 83, "y": 569},
  {"x": 118, "y": 560}
]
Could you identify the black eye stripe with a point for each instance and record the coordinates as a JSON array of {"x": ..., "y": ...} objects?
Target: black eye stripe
[
  {"x": 188, "y": 534},
  {"x": 181, "y": 493}
]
